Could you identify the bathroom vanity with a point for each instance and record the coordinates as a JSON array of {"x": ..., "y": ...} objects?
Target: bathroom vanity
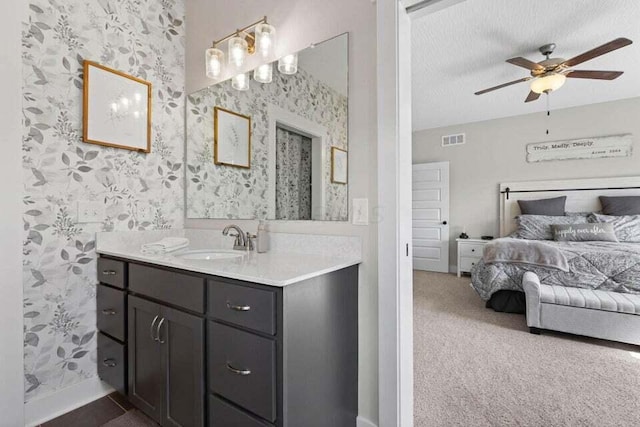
[{"x": 193, "y": 348}]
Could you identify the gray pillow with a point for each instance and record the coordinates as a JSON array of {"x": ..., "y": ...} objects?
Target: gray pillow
[
  {"x": 549, "y": 207},
  {"x": 627, "y": 228},
  {"x": 538, "y": 227},
  {"x": 621, "y": 205},
  {"x": 595, "y": 232}
]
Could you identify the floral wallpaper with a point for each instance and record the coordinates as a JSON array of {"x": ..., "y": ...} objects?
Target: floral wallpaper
[
  {"x": 293, "y": 176},
  {"x": 218, "y": 191},
  {"x": 144, "y": 38}
]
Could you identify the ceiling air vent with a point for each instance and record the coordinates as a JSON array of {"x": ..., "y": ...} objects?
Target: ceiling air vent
[{"x": 457, "y": 139}]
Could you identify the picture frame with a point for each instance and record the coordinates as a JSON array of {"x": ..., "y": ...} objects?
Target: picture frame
[
  {"x": 339, "y": 165},
  {"x": 232, "y": 138},
  {"x": 116, "y": 109}
]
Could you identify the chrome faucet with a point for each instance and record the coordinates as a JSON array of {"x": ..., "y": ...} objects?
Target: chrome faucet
[{"x": 240, "y": 244}]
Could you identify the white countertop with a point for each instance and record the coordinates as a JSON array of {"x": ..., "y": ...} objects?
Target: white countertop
[{"x": 272, "y": 268}]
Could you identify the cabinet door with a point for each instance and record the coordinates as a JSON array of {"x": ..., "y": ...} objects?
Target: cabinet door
[
  {"x": 182, "y": 339},
  {"x": 146, "y": 385}
]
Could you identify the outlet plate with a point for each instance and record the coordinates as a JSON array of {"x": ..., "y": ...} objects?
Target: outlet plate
[
  {"x": 145, "y": 211},
  {"x": 89, "y": 211}
]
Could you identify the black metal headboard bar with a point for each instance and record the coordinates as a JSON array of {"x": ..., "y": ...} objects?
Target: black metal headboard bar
[{"x": 508, "y": 190}]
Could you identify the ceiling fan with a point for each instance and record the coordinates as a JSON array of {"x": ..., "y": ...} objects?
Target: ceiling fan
[{"x": 550, "y": 74}]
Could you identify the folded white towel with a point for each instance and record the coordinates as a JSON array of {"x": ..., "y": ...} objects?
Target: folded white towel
[{"x": 168, "y": 244}]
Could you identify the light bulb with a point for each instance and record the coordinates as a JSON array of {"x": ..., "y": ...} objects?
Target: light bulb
[
  {"x": 240, "y": 82},
  {"x": 265, "y": 39},
  {"x": 288, "y": 64},
  {"x": 237, "y": 51},
  {"x": 548, "y": 83},
  {"x": 213, "y": 62},
  {"x": 264, "y": 73}
]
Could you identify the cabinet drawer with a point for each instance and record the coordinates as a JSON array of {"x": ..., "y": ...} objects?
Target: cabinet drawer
[
  {"x": 242, "y": 369},
  {"x": 111, "y": 311},
  {"x": 473, "y": 250},
  {"x": 467, "y": 263},
  {"x": 112, "y": 272},
  {"x": 173, "y": 288},
  {"x": 244, "y": 306},
  {"x": 223, "y": 414},
  {"x": 111, "y": 362}
]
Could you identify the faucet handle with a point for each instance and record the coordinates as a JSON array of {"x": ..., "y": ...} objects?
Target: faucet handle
[{"x": 250, "y": 239}]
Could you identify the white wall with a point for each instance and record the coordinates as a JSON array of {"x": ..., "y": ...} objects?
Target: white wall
[
  {"x": 495, "y": 153},
  {"x": 11, "y": 365},
  {"x": 300, "y": 23}
]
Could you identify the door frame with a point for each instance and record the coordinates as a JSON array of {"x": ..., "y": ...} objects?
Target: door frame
[{"x": 395, "y": 293}]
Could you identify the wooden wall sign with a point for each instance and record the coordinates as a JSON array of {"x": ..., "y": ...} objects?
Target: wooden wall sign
[{"x": 585, "y": 148}]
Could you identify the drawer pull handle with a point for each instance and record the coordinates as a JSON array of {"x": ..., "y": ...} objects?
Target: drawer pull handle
[
  {"x": 109, "y": 272},
  {"x": 153, "y": 337},
  {"x": 243, "y": 372},
  {"x": 158, "y": 331},
  {"x": 109, "y": 312},
  {"x": 238, "y": 307},
  {"x": 473, "y": 250},
  {"x": 109, "y": 363}
]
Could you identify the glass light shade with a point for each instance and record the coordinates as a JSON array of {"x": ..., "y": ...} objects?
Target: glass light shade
[
  {"x": 237, "y": 51},
  {"x": 240, "y": 82},
  {"x": 213, "y": 62},
  {"x": 265, "y": 39},
  {"x": 263, "y": 74},
  {"x": 548, "y": 83},
  {"x": 288, "y": 64}
]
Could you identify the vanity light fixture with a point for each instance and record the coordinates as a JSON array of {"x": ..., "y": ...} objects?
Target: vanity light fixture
[
  {"x": 288, "y": 64},
  {"x": 241, "y": 43},
  {"x": 264, "y": 73},
  {"x": 240, "y": 82}
]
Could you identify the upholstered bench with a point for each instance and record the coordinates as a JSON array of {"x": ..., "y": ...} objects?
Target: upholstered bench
[{"x": 600, "y": 314}]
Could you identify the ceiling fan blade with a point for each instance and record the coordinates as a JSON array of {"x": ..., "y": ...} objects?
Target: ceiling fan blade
[
  {"x": 598, "y": 51},
  {"x": 532, "y": 97},
  {"x": 503, "y": 85},
  {"x": 525, "y": 63},
  {"x": 598, "y": 75}
]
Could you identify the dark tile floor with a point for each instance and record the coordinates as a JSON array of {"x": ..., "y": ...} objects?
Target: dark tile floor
[{"x": 94, "y": 414}]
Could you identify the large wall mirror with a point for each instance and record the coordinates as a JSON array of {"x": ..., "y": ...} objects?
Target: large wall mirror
[{"x": 276, "y": 150}]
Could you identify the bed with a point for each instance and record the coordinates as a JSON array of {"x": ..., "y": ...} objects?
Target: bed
[{"x": 605, "y": 266}]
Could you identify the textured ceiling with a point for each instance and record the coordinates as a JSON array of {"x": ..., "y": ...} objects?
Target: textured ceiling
[{"x": 462, "y": 49}]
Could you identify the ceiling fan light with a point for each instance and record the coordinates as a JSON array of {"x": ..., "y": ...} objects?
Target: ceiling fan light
[{"x": 548, "y": 83}]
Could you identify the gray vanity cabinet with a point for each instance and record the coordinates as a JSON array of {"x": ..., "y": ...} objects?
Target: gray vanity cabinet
[
  {"x": 205, "y": 350},
  {"x": 166, "y": 363}
]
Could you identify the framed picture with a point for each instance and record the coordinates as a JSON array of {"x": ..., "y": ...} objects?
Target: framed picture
[
  {"x": 231, "y": 138},
  {"x": 116, "y": 109},
  {"x": 338, "y": 165}
]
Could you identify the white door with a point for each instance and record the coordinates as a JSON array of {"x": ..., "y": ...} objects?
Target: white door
[{"x": 431, "y": 216}]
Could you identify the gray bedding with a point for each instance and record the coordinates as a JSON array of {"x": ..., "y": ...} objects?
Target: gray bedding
[{"x": 592, "y": 265}]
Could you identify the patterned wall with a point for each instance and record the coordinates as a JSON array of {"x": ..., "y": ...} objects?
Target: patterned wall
[
  {"x": 144, "y": 38},
  {"x": 209, "y": 193}
]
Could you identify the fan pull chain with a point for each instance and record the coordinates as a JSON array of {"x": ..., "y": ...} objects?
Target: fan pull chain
[{"x": 548, "y": 113}]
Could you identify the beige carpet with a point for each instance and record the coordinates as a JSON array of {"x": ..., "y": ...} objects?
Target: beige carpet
[{"x": 476, "y": 367}]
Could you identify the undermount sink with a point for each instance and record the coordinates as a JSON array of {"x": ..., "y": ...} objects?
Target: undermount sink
[{"x": 209, "y": 254}]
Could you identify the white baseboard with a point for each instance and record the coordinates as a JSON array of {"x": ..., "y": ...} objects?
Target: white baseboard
[
  {"x": 363, "y": 422},
  {"x": 40, "y": 410}
]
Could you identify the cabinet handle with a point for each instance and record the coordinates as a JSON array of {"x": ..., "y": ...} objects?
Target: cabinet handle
[
  {"x": 109, "y": 272},
  {"x": 243, "y": 372},
  {"x": 158, "y": 331},
  {"x": 473, "y": 250},
  {"x": 109, "y": 363},
  {"x": 109, "y": 312},
  {"x": 153, "y": 337},
  {"x": 238, "y": 307}
]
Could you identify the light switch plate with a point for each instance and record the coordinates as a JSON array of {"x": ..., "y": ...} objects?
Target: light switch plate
[
  {"x": 145, "y": 211},
  {"x": 89, "y": 211},
  {"x": 360, "y": 212}
]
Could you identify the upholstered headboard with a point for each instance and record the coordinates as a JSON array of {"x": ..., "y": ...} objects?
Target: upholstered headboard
[{"x": 582, "y": 195}]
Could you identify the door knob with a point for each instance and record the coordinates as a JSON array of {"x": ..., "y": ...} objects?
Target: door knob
[{"x": 444, "y": 222}]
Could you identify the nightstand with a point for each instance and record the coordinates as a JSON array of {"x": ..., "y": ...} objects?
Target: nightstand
[{"x": 469, "y": 253}]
